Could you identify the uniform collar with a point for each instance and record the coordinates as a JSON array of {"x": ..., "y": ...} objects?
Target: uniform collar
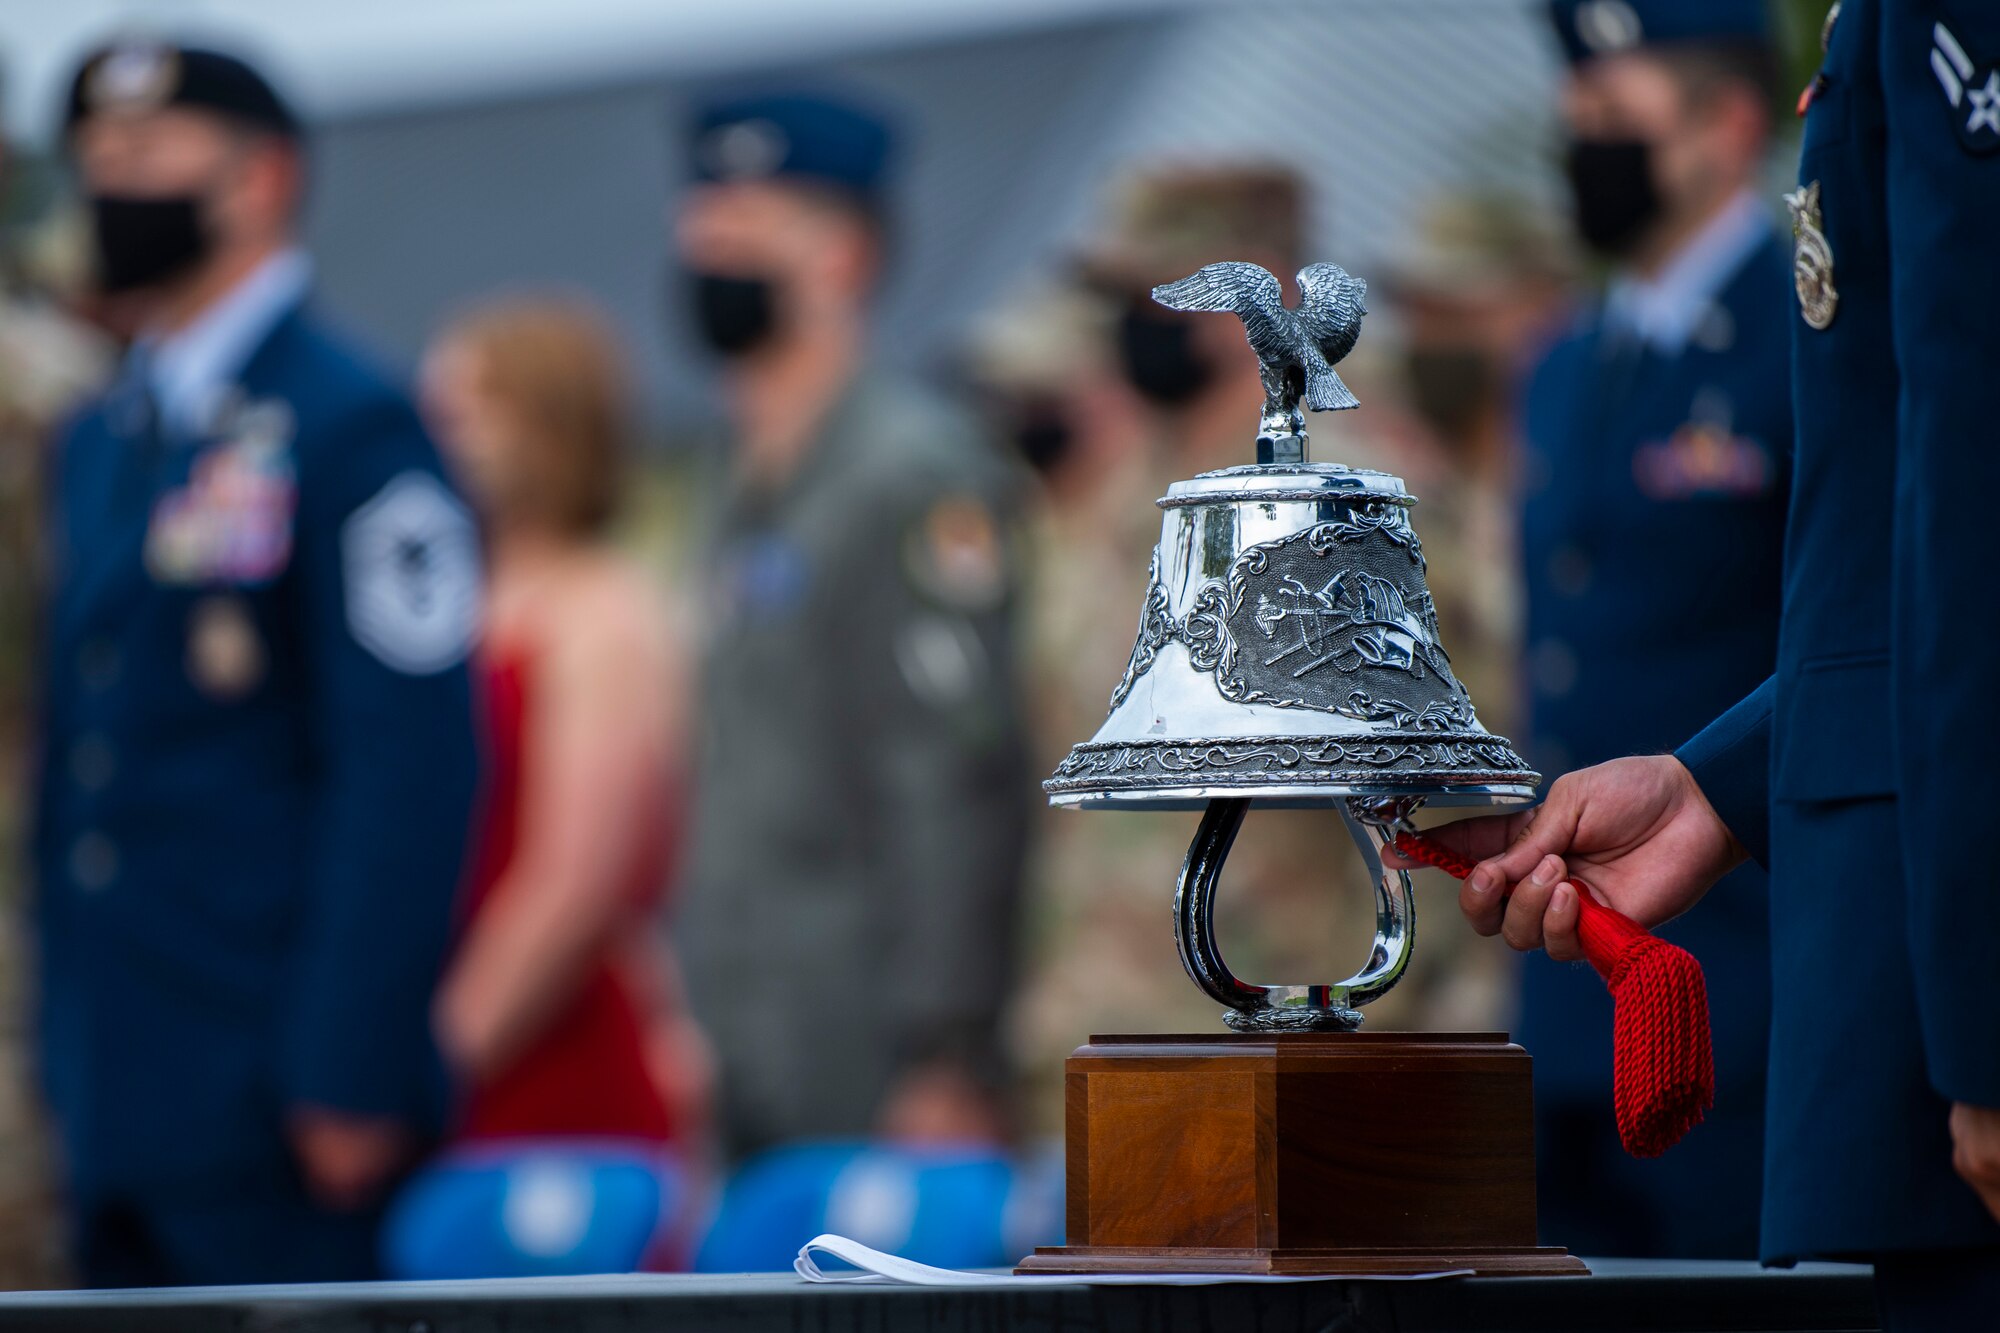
[
  {"x": 190, "y": 371},
  {"x": 1666, "y": 310},
  {"x": 843, "y": 420}
]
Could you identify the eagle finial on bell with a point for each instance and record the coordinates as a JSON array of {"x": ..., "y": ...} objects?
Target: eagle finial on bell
[
  {"x": 1288, "y": 655},
  {"x": 1296, "y": 349}
]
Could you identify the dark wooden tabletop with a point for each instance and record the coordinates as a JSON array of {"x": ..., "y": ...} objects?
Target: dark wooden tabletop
[{"x": 1659, "y": 1296}]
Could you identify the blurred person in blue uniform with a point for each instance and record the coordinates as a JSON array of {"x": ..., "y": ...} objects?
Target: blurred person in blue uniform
[
  {"x": 860, "y": 793},
  {"x": 1841, "y": 771},
  {"x": 257, "y": 757},
  {"x": 1658, "y": 440}
]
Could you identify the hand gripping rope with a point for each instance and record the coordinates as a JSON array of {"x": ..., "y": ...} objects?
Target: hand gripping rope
[{"x": 1662, "y": 1055}]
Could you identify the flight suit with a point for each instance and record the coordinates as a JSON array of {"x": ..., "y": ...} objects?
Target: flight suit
[
  {"x": 1651, "y": 535},
  {"x": 255, "y": 774},
  {"x": 1852, "y": 771},
  {"x": 860, "y": 791}
]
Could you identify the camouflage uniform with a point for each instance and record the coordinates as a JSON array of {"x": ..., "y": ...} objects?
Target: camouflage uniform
[
  {"x": 48, "y": 362},
  {"x": 1494, "y": 277}
]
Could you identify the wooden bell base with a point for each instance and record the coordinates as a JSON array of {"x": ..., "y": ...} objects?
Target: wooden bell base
[{"x": 1301, "y": 1153}]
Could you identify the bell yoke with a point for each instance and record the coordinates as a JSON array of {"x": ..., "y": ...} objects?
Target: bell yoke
[{"x": 1288, "y": 655}]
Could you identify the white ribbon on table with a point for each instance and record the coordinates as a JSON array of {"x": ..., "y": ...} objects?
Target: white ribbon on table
[{"x": 878, "y": 1267}]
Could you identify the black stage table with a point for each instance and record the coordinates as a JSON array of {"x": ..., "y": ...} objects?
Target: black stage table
[{"x": 1661, "y": 1296}]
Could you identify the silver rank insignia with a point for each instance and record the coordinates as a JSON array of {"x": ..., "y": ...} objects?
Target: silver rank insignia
[
  {"x": 1812, "y": 258},
  {"x": 1972, "y": 92},
  {"x": 137, "y": 76}
]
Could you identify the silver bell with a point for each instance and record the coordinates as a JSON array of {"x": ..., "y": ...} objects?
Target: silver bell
[{"x": 1288, "y": 654}]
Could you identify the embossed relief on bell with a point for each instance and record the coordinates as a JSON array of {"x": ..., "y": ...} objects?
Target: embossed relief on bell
[{"x": 1335, "y": 617}]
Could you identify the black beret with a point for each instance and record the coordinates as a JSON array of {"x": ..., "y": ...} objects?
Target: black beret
[{"x": 145, "y": 76}]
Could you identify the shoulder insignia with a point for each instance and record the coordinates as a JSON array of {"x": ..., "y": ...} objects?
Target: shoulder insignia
[
  {"x": 955, "y": 554},
  {"x": 410, "y": 561},
  {"x": 1972, "y": 92}
]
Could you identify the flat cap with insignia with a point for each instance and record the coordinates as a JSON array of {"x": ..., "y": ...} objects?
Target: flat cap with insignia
[
  {"x": 1589, "y": 28},
  {"x": 137, "y": 76},
  {"x": 796, "y": 135}
]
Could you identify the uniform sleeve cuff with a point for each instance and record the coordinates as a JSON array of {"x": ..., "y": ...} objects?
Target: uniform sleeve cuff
[{"x": 1731, "y": 763}]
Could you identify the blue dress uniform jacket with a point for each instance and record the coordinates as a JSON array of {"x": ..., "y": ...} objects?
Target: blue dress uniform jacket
[
  {"x": 1653, "y": 535},
  {"x": 257, "y": 766},
  {"x": 1847, "y": 771}
]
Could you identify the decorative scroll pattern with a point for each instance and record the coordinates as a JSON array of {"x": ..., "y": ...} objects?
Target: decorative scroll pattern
[
  {"x": 1156, "y": 630},
  {"x": 1392, "y": 521},
  {"x": 1292, "y": 1019},
  {"x": 1206, "y": 631},
  {"x": 1466, "y": 758}
]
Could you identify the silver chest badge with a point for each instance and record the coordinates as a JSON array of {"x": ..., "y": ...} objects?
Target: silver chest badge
[{"x": 1812, "y": 258}]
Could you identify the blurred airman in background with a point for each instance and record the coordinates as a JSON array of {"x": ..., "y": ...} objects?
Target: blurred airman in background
[
  {"x": 256, "y": 760},
  {"x": 49, "y": 360},
  {"x": 850, "y": 903}
]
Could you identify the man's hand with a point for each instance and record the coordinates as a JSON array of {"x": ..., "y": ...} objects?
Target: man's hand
[
  {"x": 346, "y": 1158},
  {"x": 1639, "y": 830},
  {"x": 1975, "y": 1150}
]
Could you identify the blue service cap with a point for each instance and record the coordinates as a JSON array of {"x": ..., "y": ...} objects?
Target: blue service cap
[
  {"x": 1604, "y": 27},
  {"x": 141, "y": 75},
  {"x": 792, "y": 134}
]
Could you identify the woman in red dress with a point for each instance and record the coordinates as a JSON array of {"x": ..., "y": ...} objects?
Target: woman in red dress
[{"x": 557, "y": 1012}]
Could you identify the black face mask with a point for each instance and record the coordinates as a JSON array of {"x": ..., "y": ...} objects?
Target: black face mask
[
  {"x": 1043, "y": 434},
  {"x": 141, "y": 242},
  {"x": 1449, "y": 386},
  {"x": 1159, "y": 357},
  {"x": 1615, "y": 196},
  {"x": 733, "y": 314}
]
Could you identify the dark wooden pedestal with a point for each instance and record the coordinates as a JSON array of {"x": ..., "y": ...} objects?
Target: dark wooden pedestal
[{"x": 1299, "y": 1153}]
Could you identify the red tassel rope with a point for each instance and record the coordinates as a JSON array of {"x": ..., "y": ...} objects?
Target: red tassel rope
[{"x": 1662, "y": 1055}]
